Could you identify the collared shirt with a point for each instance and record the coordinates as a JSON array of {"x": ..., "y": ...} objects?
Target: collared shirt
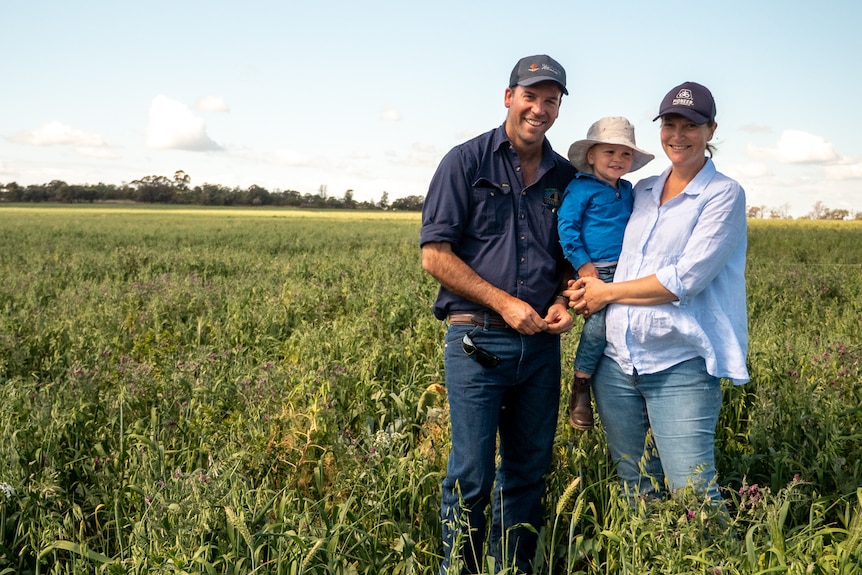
[
  {"x": 593, "y": 218},
  {"x": 505, "y": 232},
  {"x": 695, "y": 244}
]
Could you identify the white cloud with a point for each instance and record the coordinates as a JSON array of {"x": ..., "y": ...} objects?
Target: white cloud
[
  {"x": 424, "y": 148},
  {"x": 797, "y": 147},
  {"x": 290, "y": 158},
  {"x": 750, "y": 170},
  {"x": 59, "y": 134},
  {"x": 756, "y": 129},
  {"x": 390, "y": 114},
  {"x": 103, "y": 153},
  {"x": 212, "y": 104},
  {"x": 849, "y": 171},
  {"x": 464, "y": 135},
  {"x": 172, "y": 125}
]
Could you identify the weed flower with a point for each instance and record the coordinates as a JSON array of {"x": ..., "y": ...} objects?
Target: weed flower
[{"x": 7, "y": 490}]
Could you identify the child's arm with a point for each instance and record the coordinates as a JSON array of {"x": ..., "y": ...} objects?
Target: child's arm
[{"x": 588, "y": 270}]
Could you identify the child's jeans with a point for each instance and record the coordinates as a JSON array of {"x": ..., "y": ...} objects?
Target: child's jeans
[{"x": 592, "y": 342}]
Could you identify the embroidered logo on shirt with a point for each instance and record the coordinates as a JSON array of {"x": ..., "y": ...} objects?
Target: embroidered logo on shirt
[{"x": 552, "y": 198}]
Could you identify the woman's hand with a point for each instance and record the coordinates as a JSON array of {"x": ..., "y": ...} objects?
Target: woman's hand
[{"x": 587, "y": 295}]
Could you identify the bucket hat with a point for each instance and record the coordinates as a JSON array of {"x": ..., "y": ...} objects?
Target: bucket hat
[{"x": 610, "y": 130}]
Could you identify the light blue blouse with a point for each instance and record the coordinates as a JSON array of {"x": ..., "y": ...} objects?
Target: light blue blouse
[{"x": 695, "y": 244}]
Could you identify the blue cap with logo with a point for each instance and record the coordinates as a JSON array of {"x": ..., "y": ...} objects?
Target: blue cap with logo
[
  {"x": 540, "y": 68},
  {"x": 690, "y": 100}
]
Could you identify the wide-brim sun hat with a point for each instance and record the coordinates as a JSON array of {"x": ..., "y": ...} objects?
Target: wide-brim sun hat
[{"x": 610, "y": 130}]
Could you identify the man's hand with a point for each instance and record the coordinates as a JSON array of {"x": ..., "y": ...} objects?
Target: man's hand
[
  {"x": 558, "y": 320},
  {"x": 521, "y": 316}
]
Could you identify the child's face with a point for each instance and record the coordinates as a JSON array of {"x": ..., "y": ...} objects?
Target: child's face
[{"x": 610, "y": 161}]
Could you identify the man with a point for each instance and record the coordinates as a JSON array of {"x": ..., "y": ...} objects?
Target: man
[{"x": 489, "y": 236}]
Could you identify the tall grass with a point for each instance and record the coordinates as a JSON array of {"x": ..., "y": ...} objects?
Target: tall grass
[{"x": 242, "y": 391}]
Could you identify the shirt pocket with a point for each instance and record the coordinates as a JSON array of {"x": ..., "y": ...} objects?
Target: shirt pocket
[{"x": 492, "y": 209}]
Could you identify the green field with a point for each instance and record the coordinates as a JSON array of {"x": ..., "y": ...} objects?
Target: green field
[{"x": 260, "y": 391}]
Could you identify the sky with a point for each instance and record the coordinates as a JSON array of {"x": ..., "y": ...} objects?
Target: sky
[{"x": 368, "y": 96}]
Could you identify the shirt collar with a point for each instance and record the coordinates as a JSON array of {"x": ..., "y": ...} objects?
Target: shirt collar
[{"x": 694, "y": 187}]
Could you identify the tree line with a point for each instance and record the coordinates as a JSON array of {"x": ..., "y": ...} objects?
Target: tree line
[
  {"x": 177, "y": 190},
  {"x": 819, "y": 211}
]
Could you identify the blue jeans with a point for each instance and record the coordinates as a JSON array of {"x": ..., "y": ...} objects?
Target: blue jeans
[
  {"x": 519, "y": 400},
  {"x": 591, "y": 345},
  {"x": 680, "y": 405}
]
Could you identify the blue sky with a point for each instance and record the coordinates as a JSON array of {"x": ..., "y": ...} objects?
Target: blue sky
[{"x": 368, "y": 96}]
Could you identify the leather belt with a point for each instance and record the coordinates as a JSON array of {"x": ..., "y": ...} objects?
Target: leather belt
[{"x": 493, "y": 320}]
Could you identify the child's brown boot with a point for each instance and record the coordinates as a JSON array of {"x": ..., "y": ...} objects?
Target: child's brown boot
[{"x": 580, "y": 407}]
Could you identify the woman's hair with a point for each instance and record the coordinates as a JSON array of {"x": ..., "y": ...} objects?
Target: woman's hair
[{"x": 710, "y": 148}]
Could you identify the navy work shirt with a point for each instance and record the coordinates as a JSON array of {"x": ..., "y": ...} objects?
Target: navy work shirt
[{"x": 505, "y": 232}]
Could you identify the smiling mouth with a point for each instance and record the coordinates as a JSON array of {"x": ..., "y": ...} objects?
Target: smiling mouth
[{"x": 535, "y": 123}]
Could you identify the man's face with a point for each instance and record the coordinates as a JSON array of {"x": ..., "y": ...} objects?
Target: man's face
[{"x": 532, "y": 110}]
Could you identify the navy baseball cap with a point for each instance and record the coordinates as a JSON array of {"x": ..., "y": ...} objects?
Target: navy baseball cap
[
  {"x": 540, "y": 68},
  {"x": 691, "y": 100}
]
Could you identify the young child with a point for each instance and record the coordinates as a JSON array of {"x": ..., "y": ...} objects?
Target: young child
[{"x": 592, "y": 218}]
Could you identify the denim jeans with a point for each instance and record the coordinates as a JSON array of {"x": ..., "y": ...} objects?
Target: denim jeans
[
  {"x": 591, "y": 345},
  {"x": 680, "y": 406},
  {"x": 519, "y": 400}
]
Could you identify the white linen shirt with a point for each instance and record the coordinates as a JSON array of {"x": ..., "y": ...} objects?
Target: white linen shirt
[{"x": 695, "y": 244}]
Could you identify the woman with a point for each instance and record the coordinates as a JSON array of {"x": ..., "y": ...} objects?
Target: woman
[{"x": 678, "y": 322}]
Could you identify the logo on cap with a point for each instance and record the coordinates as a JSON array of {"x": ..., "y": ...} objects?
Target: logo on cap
[
  {"x": 683, "y": 98},
  {"x": 544, "y": 67}
]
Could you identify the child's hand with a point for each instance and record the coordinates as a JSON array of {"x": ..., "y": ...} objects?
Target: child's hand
[{"x": 588, "y": 270}]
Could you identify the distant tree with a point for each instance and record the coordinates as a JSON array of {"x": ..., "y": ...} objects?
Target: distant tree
[
  {"x": 57, "y": 191},
  {"x": 410, "y": 203},
  {"x": 780, "y": 213},
  {"x": 257, "y": 196},
  {"x": 315, "y": 200},
  {"x": 35, "y": 193},
  {"x": 181, "y": 180},
  {"x": 11, "y": 192},
  {"x": 383, "y": 204},
  {"x": 755, "y": 212},
  {"x": 291, "y": 198},
  {"x": 838, "y": 214},
  {"x": 348, "y": 201},
  {"x": 818, "y": 211},
  {"x": 154, "y": 189}
]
